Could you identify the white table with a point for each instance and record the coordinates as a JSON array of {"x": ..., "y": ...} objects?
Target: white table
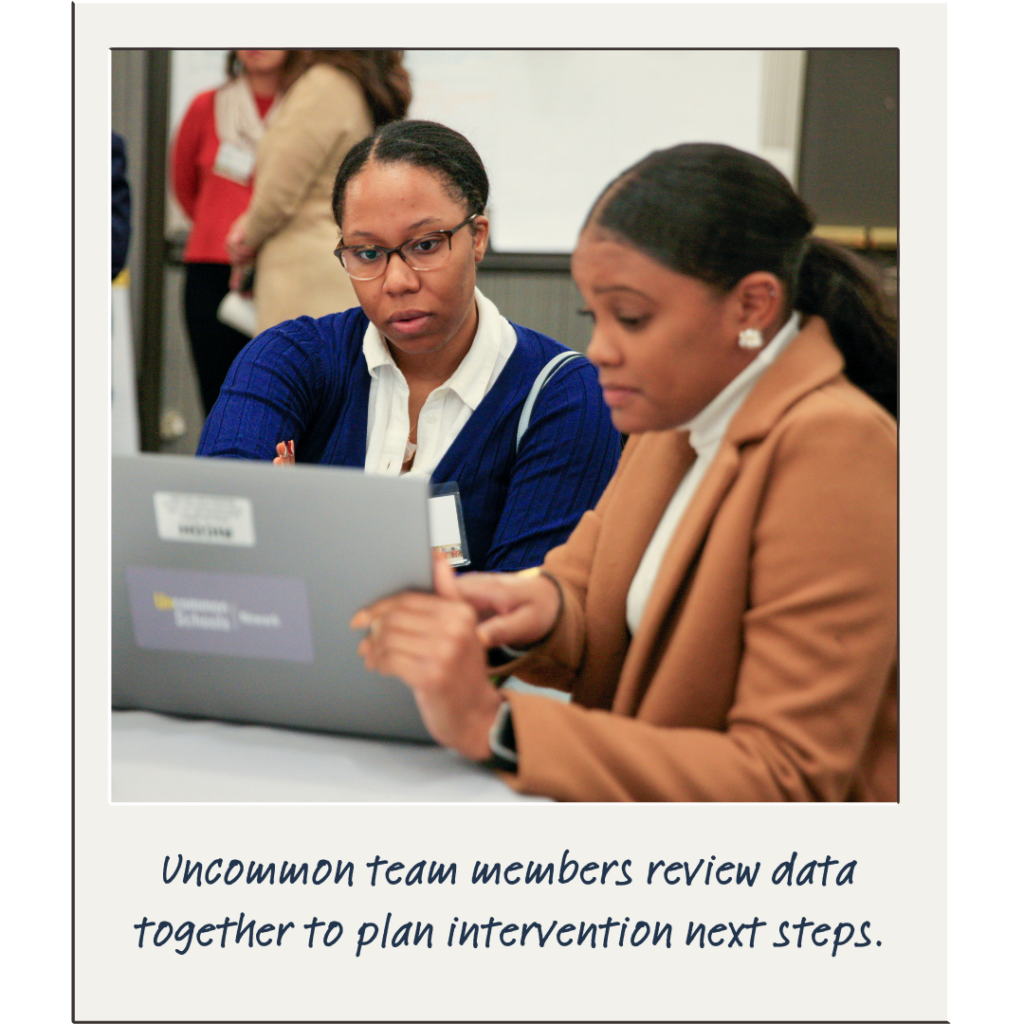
[{"x": 162, "y": 759}]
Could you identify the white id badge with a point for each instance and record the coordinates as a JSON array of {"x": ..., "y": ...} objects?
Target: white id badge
[
  {"x": 234, "y": 162},
  {"x": 445, "y": 524}
]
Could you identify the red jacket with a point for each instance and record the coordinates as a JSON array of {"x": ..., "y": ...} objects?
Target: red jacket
[{"x": 212, "y": 203}]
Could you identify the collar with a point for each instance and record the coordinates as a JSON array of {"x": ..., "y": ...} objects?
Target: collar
[
  {"x": 709, "y": 425},
  {"x": 471, "y": 377}
]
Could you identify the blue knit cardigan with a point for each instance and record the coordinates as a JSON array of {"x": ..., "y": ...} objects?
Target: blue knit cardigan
[{"x": 307, "y": 380}]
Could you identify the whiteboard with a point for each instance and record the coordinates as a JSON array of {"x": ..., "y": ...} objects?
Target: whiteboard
[{"x": 555, "y": 126}]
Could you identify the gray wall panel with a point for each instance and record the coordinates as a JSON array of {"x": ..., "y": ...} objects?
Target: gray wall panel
[{"x": 547, "y": 302}]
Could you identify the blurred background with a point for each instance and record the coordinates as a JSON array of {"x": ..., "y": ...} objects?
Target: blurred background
[{"x": 553, "y": 127}]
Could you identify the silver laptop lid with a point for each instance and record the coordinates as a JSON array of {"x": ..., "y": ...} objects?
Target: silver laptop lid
[{"x": 233, "y": 584}]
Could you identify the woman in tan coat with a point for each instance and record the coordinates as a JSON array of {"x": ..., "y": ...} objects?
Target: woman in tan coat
[
  {"x": 725, "y": 619},
  {"x": 336, "y": 98}
]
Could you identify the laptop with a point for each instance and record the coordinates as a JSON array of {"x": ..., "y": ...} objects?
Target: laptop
[{"x": 233, "y": 584}]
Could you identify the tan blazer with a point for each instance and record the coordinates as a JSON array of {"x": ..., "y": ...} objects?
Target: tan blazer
[
  {"x": 764, "y": 667},
  {"x": 319, "y": 119}
]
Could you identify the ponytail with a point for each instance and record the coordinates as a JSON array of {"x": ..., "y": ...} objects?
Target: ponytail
[
  {"x": 715, "y": 213},
  {"x": 830, "y": 284}
]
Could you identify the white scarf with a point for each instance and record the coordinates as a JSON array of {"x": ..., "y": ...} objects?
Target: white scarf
[{"x": 237, "y": 119}]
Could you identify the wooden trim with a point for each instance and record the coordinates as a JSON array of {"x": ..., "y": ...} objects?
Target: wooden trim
[{"x": 855, "y": 237}]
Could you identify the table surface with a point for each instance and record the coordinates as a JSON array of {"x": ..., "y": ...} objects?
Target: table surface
[{"x": 162, "y": 759}]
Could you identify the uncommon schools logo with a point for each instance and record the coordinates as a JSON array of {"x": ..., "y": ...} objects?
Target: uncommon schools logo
[
  {"x": 212, "y": 614},
  {"x": 245, "y": 616}
]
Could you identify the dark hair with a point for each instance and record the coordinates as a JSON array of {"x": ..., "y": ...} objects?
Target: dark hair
[
  {"x": 381, "y": 73},
  {"x": 717, "y": 214},
  {"x": 422, "y": 144}
]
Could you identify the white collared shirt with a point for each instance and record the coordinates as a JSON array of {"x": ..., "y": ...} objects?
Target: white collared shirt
[
  {"x": 447, "y": 407},
  {"x": 706, "y": 429}
]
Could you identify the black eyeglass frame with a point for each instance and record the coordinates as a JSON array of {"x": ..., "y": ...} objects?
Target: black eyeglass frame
[{"x": 388, "y": 253}]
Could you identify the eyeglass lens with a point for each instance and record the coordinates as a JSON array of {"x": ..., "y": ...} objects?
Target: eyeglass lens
[{"x": 428, "y": 252}]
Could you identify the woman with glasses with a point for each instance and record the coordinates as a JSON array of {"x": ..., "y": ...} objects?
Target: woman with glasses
[
  {"x": 726, "y": 618},
  {"x": 426, "y": 377}
]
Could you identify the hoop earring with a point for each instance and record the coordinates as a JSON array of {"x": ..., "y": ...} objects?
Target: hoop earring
[{"x": 751, "y": 337}]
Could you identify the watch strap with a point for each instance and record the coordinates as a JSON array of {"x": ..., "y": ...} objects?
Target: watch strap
[{"x": 502, "y": 740}]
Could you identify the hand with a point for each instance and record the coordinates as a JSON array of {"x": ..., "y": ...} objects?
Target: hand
[
  {"x": 430, "y": 642},
  {"x": 285, "y": 453},
  {"x": 237, "y": 279},
  {"x": 239, "y": 251},
  {"x": 514, "y": 609}
]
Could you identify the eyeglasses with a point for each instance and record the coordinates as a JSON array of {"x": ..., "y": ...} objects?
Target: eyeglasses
[{"x": 428, "y": 252}]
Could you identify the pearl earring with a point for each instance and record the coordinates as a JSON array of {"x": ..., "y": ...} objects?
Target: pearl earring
[{"x": 751, "y": 337}]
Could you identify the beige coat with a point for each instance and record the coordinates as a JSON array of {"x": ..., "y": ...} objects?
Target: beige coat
[
  {"x": 317, "y": 122},
  {"x": 765, "y": 664}
]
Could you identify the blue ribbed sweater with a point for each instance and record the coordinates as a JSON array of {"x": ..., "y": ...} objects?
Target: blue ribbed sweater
[{"x": 307, "y": 380}]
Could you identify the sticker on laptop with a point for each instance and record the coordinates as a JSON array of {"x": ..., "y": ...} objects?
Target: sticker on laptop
[
  {"x": 236, "y": 614},
  {"x": 204, "y": 519},
  {"x": 445, "y": 523}
]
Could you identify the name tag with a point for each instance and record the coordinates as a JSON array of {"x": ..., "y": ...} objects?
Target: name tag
[
  {"x": 234, "y": 162},
  {"x": 445, "y": 524}
]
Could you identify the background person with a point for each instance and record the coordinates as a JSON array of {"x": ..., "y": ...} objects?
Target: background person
[
  {"x": 120, "y": 206},
  {"x": 726, "y": 617},
  {"x": 212, "y": 161},
  {"x": 426, "y": 377},
  {"x": 333, "y": 99}
]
